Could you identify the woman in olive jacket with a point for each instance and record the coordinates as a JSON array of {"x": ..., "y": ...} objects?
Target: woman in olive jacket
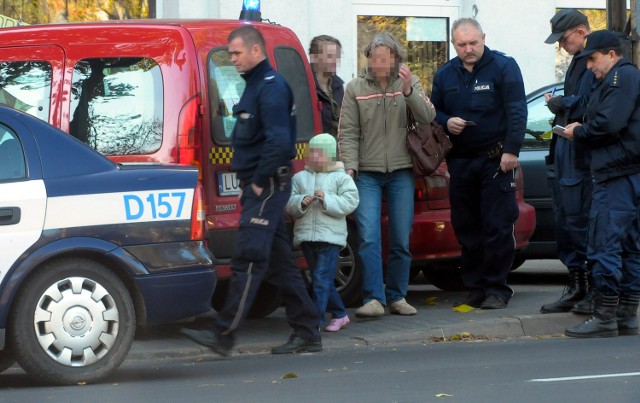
[{"x": 372, "y": 132}]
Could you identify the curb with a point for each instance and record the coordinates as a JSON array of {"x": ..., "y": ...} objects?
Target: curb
[{"x": 172, "y": 346}]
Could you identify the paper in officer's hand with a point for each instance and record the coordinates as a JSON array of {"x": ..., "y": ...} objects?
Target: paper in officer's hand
[{"x": 559, "y": 130}]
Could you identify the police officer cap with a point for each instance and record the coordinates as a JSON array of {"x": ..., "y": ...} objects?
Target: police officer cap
[
  {"x": 563, "y": 20},
  {"x": 600, "y": 40}
]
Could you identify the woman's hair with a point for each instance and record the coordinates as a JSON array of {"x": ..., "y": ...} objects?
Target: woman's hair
[
  {"x": 314, "y": 46},
  {"x": 387, "y": 40}
]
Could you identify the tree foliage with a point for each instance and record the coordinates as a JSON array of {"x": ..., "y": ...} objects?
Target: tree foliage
[{"x": 52, "y": 11}]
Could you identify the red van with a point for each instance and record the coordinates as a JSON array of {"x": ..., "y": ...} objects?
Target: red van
[{"x": 162, "y": 91}]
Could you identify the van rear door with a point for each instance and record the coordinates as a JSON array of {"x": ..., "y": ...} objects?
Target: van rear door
[{"x": 31, "y": 80}]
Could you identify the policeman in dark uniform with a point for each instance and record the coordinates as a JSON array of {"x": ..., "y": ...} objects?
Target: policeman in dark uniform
[
  {"x": 264, "y": 144},
  {"x": 568, "y": 164},
  {"x": 611, "y": 130},
  {"x": 479, "y": 97}
]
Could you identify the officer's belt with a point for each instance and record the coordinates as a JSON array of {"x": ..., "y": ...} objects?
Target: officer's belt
[{"x": 493, "y": 151}]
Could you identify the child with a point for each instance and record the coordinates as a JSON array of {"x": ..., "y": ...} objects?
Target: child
[{"x": 322, "y": 195}]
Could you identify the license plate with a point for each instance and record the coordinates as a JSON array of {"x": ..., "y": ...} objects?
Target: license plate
[{"x": 228, "y": 184}]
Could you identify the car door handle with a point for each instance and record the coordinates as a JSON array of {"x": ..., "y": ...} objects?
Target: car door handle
[{"x": 9, "y": 215}]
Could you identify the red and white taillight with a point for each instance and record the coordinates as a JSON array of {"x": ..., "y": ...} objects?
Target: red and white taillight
[{"x": 198, "y": 215}]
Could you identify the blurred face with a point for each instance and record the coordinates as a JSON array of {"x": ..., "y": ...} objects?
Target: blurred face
[
  {"x": 244, "y": 58},
  {"x": 382, "y": 62},
  {"x": 318, "y": 159},
  {"x": 326, "y": 61},
  {"x": 468, "y": 42},
  {"x": 572, "y": 40},
  {"x": 601, "y": 64}
]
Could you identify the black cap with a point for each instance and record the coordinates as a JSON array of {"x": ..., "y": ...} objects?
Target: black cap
[
  {"x": 597, "y": 40},
  {"x": 563, "y": 20}
]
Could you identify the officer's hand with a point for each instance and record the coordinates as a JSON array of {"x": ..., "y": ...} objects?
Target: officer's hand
[
  {"x": 508, "y": 162},
  {"x": 568, "y": 130},
  {"x": 555, "y": 104},
  {"x": 257, "y": 190},
  {"x": 455, "y": 125},
  {"x": 405, "y": 76}
]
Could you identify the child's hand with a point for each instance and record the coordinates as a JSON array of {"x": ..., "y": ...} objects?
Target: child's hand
[
  {"x": 319, "y": 194},
  {"x": 307, "y": 201}
]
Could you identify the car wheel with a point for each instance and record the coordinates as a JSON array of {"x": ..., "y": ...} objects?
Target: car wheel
[
  {"x": 349, "y": 274},
  {"x": 6, "y": 359},
  {"x": 267, "y": 300},
  {"x": 445, "y": 275},
  {"x": 518, "y": 261},
  {"x": 73, "y": 321}
]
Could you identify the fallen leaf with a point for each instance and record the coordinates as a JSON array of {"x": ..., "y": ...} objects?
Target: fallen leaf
[
  {"x": 431, "y": 301},
  {"x": 443, "y": 395},
  {"x": 289, "y": 375},
  {"x": 462, "y": 308}
]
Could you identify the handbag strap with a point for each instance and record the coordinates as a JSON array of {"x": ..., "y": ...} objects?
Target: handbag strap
[{"x": 411, "y": 120}]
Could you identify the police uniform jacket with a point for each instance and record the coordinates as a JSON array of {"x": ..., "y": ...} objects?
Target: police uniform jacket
[
  {"x": 492, "y": 95},
  {"x": 265, "y": 134},
  {"x": 612, "y": 125},
  {"x": 578, "y": 84},
  {"x": 373, "y": 123}
]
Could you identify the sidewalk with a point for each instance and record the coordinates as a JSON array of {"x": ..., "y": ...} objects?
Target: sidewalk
[{"x": 435, "y": 321}]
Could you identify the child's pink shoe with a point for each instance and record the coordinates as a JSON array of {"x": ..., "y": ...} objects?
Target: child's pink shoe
[{"x": 337, "y": 324}]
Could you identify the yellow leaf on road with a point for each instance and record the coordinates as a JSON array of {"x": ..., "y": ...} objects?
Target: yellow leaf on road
[
  {"x": 289, "y": 375},
  {"x": 462, "y": 308},
  {"x": 431, "y": 301}
]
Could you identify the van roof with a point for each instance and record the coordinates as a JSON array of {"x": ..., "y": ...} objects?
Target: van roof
[{"x": 186, "y": 23}]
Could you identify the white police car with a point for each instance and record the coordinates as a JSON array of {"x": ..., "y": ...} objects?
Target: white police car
[{"x": 90, "y": 249}]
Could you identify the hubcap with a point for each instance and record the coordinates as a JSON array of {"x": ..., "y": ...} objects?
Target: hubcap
[{"x": 76, "y": 321}]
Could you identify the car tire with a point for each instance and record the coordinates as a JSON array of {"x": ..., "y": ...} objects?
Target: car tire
[
  {"x": 6, "y": 360},
  {"x": 349, "y": 273},
  {"x": 73, "y": 322},
  {"x": 267, "y": 300},
  {"x": 518, "y": 261},
  {"x": 445, "y": 275}
]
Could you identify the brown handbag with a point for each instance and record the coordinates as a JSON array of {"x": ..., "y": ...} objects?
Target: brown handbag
[{"x": 428, "y": 144}]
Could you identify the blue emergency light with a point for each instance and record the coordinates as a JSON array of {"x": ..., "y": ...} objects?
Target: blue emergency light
[{"x": 250, "y": 10}]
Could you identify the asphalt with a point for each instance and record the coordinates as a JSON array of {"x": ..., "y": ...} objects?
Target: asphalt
[{"x": 436, "y": 321}]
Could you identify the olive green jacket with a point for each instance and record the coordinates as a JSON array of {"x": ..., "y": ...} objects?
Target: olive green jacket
[{"x": 372, "y": 128}]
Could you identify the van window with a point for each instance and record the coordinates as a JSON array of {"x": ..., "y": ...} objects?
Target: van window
[
  {"x": 117, "y": 104},
  {"x": 225, "y": 89},
  {"x": 26, "y": 86},
  {"x": 290, "y": 65}
]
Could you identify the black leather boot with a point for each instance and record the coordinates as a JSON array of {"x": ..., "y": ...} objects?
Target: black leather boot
[
  {"x": 572, "y": 294},
  {"x": 627, "y": 315},
  {"x": 585, "y": 306},
  {"x": 602, "y": 323}
]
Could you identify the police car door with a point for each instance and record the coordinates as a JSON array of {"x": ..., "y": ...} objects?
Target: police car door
[{"x": 22, "y": 201}]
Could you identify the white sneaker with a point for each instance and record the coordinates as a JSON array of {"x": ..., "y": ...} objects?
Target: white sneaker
[
  {"x": 372, "y": 309},
  {"x": 401, "y": 307}
]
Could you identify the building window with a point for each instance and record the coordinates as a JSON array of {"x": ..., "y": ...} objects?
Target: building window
[{"x": 425, "y": 41}]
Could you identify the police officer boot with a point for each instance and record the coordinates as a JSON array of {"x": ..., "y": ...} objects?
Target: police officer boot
[
  {"x": 602, "y": 323},
  {"x": 572, "y": 294},
  {"x": 627, "y": 315},
  {"x": 585, "y": 306}
]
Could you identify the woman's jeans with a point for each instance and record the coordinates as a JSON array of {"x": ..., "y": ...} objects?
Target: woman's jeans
[
  {"x": 398, "y": 188},
  {"x": 322, "y": 258}
]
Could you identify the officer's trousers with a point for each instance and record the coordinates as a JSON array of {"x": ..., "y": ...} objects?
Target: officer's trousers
[
  {"x": 263, "y": 252},
  {"x": 483, "y": 214},
  {"x": 614, "y": 236},
  {"x": 571, "y": 190}
]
